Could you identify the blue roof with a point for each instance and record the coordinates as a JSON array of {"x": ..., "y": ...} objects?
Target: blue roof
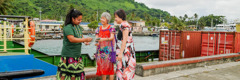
[
  {"x": 84, "y": 23},
  {"x": 51, "y": 22}
]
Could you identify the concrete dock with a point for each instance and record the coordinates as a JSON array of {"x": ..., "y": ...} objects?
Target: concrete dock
[{"x": 226, "y": 71}]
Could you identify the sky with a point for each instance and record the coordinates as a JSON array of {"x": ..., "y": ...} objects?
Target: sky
[{"x": 228, "y": 8}]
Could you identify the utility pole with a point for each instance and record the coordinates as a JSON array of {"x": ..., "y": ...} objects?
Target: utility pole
[
  {"x": 40, "y": 13},
  {"x": 212, "y": 23},
  {"x": 197, "y": 25},
  {"x": 97, "y": 14},
  {"x": 160, "y": 20},
  {"x": 40, "y": 18}
]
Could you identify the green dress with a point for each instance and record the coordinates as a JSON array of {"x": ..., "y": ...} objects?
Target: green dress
[{"x": 71, "y": 65}]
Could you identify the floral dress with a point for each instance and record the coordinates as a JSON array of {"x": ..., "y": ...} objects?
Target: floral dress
[
  {"x": 104, "y": 50},
  {"x": 126, "y": 67}
]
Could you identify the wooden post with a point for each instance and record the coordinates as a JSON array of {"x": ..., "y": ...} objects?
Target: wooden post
[
  {"x": 11, "y": 32},
  {"x": 0, "y": 32},
  {"x": 5, "y": 37},
  {"x": 26, "y": 36}
]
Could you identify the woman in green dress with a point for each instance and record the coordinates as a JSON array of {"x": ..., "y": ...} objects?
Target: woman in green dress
[{"x": 71, "y": 65}]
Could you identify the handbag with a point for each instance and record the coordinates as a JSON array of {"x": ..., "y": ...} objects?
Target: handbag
[{"x": 113, "y": 53}]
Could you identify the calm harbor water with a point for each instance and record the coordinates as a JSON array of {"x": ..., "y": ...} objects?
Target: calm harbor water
[{"x": 54, "y": 47}]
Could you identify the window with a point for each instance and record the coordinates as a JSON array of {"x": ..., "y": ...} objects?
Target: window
[
  {"x": 40, "y": 26},
  {"x": 47, "y": 27}
]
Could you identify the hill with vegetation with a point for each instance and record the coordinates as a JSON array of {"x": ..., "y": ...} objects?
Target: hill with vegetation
[{"x": 57, "y": 9}]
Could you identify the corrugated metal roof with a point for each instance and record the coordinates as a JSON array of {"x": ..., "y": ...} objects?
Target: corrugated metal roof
[
  {"x": 134, "y": 21},
  {"x": 86, "y": 23}
]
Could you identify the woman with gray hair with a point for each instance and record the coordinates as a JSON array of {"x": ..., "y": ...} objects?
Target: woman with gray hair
[{"x": 105, "y": 56}]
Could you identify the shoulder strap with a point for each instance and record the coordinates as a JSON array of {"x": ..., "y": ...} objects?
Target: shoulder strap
[{"x": 114, "y": 34}]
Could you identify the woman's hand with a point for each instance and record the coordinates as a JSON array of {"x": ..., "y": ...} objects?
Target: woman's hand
[
  {"x": 119, "y": 57},
  {"x": 86, "y": 43},
  {"x": 99, "y": 39},
  {"x": 88, "y": 39},
  {"x": 96, "y": 44}
]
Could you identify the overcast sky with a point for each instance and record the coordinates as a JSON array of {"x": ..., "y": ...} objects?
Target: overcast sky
[{"x": 228, "y": 8}]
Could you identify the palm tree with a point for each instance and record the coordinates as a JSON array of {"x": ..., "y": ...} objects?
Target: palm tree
[
  {"x": 195, "y": 16},
  {"x": 5, "y": 6},
  {"x": 177, "y": 24},
  {"x": 196, "y": 19},
  {"x": 181, "y": 18},
  {"x": 185, "y": 17}
]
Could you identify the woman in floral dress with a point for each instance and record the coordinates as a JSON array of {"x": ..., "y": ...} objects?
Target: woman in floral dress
[
  {"x": 126, "y": 59},
  {"x": 105, "y": 48}
]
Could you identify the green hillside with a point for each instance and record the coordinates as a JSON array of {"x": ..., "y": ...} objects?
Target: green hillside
[{"x": 55, "y": 9}]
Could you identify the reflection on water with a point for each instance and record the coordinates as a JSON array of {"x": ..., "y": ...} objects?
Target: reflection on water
[{"x": 55, "y": 46}]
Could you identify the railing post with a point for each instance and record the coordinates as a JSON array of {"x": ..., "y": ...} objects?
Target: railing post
[
  {"x": 0, "y": 32},
  {"x": 11, "y": 33},
  {"x": 5, "y": 37},
  {"x": 26, "y": 36}
]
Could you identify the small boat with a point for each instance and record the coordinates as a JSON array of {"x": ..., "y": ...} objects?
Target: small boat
[{"x": 154, "y": 35}]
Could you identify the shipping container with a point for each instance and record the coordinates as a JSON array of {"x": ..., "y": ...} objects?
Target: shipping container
[
  {"x": 209, "y": 40},
  {"x": 237, "y": 42},
  {"x": 191, "y": 44},
  {"x": 186, "y": 44},
  {"x": 215, "y": 43},
  {"x": 170, "y": 48},
  {"x": 225, "y": 43}
]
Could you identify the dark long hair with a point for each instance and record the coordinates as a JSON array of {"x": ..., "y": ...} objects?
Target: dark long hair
[
  {"x": 72, "y": 14},
  {"x": 121, "y": 14}
]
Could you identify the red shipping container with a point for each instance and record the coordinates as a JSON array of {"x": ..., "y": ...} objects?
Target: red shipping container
[
  {"x": 225, "y": 43},
  {"x": 175, "y": 42},
  {"x": 169, "y": 45},
  {"x": 214, "y": 43},
  {"x": 191, "y": 44},
  {"x": 209, "y": 40},
  {"x": 164, "y": 45},
  {"x": 237, "y": 42}
]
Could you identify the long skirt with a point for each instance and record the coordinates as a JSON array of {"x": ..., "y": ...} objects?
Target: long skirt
[
  {"x": 70, "y": 68},
  {"x": 126, "y": 67},
  {"x": 104, "y": 66}
]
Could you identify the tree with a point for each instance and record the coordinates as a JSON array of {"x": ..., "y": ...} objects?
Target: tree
[
  {"x": 195, "y": 16},
  {"x": 71, "y": 7},
  {"x": 176, "y": 24},
  {"x": 5, "y": 6},
  {"x": 210, "y": 19},
  {"x": 132, "y": 15},
  {"x": 181, "y": 18},
  {"x": 54, "y": 9},
  {"x": 93, "y": 25},
  {"x": 185, "y": 17},
  {"x": 149, "y": 29},
  {"x": 202, "y": 22},
  {"x": 165, "y": 24}
]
